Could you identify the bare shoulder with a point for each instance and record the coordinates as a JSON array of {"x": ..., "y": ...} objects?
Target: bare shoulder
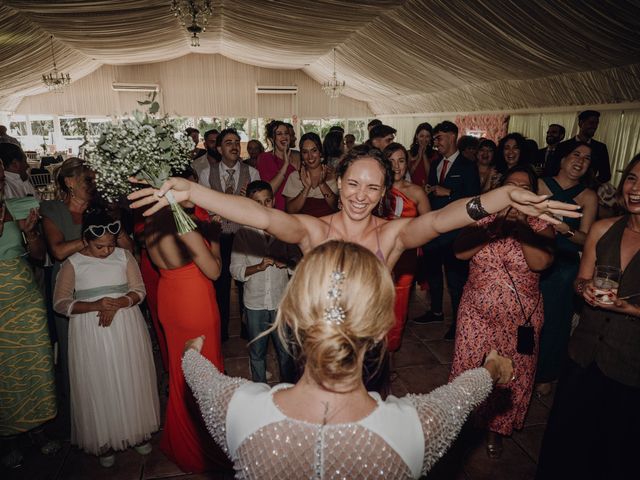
[
  {"x": 601, "y": 226},
  {"x": 542, "y": 187},
  {"x": 588, "y": 196},
  {"x": 416, "y": 192},
  {"x": 317, "y": 228}
]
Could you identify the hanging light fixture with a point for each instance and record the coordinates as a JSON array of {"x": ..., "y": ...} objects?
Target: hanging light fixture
[
  {"x": 195, "y": 14},
  {"x": 333, "y": 87},
  {"x": 54, "y": 80}
]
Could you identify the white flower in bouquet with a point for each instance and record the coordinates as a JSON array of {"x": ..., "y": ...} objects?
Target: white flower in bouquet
[{"x": 144, "y": 147}]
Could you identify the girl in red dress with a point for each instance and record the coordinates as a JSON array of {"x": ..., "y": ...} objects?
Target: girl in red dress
[{"x": 186, "y": 307}]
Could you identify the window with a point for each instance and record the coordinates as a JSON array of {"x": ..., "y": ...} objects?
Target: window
[
  {"x": 42, "y": 128},
  {"x": 358, "y": 128},
  {"x": 19, "y": 129},
  {"x": 96, "y": 127},
  {"x": 73, "y": 127},
  {"x": 209, "y": 123},
  {"x": 241, "y": 124}
]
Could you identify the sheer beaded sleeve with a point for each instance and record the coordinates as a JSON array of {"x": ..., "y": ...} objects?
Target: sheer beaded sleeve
[
  {"x": 213, "y": 391},
  {"x": 444, "y": 411}
]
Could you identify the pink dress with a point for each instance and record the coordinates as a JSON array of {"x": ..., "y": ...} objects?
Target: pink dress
[
  {"x": 488, "y": 318},
  {"x": 268, "y": 167}
]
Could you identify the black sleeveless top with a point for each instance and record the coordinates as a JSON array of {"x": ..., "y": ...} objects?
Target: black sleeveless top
[
  {"x": 564, "y": 246},
  {"x": 611, "y": 339}
]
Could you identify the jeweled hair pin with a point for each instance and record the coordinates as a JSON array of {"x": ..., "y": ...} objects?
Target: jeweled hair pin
[{"x": 334, "y": 313}]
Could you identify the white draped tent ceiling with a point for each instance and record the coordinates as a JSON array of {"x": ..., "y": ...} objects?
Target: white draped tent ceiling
[{"x": 400, "y": 57}]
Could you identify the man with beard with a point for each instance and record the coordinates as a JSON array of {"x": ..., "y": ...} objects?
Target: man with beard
[
  {"x": 229, "y": 175},
  {"x": 555, "y": 134},
  {"x": 588, "y": 124},
  {"x": 211, "y": 156}
]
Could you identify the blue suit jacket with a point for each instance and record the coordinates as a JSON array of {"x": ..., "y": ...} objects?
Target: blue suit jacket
[{"x": 463, "y": 180}]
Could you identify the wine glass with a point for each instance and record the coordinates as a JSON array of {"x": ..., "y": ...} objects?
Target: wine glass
[{"x": 605, "y": 280}]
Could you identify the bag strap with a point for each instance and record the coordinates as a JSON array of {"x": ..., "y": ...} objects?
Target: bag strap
[{"x": 527, "y": 318}]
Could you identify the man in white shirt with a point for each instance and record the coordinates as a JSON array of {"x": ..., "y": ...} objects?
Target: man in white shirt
[
  {"x": 15, "y": 164},
  {"x": 261, "y": 261},
  {"x": 229, "y": 175}
]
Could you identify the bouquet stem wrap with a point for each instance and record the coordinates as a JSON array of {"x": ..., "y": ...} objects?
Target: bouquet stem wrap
[{"x": 184, "y": 224}]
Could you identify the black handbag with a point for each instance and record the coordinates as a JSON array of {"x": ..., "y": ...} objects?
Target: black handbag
[{"x": 525, "y": 342}]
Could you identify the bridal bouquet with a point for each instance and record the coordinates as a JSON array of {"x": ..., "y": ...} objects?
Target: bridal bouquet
[{"x": 144, "y": 147}]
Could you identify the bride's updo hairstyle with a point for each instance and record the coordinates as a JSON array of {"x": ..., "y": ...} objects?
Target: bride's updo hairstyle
[{"x": 333, "y": 320}]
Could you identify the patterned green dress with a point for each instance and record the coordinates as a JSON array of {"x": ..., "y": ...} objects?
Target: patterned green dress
[{"x": 27, "y": 388}]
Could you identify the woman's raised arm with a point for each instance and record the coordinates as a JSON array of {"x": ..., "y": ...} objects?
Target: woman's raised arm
[
  {"x": 422, "y": 229},
  {"x": 241, "y": 210}
]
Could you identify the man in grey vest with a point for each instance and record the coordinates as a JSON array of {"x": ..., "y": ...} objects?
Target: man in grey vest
[{"x": 230, "y": 175}]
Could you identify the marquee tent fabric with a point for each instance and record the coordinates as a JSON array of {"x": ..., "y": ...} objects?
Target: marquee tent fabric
[{"x": 398, "y": 56}]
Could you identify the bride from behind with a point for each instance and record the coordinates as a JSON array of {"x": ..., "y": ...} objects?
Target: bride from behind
[{"x": 338, "y": 305}]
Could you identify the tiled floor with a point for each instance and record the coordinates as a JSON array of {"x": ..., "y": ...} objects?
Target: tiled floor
[{"x": 421, "y": 365}]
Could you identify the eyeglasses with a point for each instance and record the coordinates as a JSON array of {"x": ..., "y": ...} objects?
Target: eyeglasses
[{"x": 99, "y": 230}]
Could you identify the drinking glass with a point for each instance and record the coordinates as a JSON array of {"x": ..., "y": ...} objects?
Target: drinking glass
[{"x": 605, "y": 281}]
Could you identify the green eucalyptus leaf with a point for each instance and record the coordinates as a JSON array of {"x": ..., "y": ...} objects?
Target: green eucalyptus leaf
[{"x": 155, "y": 106}]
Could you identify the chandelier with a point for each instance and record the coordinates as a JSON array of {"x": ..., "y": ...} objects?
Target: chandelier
[
  {"x": 333, "y": 87},
  {"x": 54, "y": 80},
  {"x": 195, "y": 14}
]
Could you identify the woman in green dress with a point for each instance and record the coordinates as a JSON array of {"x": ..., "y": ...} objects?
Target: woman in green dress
[
  {"x": 556, "y": 284},
  {"x": 27, "y": 384}
]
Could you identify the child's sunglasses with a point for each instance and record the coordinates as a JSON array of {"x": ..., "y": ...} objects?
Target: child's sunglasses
[{"x": 99, "y": 230}]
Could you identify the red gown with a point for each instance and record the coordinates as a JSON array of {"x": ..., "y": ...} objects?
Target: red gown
[
  {"x": 187, "y": 308},
  {"x": 151, "y": 277},
  {"x": 399, "y": 205}
]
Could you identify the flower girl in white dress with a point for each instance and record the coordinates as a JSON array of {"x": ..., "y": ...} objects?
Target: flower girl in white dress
[{"x": 114, "y": 397}]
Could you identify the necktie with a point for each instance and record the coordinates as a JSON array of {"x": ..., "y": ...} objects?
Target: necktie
[
  {"x": 229, "y": 187},
  {"x": 443, "y": 172}
]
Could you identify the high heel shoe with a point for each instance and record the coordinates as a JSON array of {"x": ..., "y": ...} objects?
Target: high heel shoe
[{"x": 494, "y": 445}]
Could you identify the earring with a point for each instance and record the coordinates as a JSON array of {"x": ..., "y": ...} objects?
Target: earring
[
  {"x": 339, "y": 204},
  {"x": 71, "y": 192},
  {"x": 380, "y": 208}
]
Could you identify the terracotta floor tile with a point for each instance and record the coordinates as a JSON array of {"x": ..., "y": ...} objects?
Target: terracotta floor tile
[
  {"x": 537, "y": 413},
  {"x": 237, "y": 367},
  {"x": 530, "y": 440},
  {"x": 429, "y": 331},
  {"x": 235, "y": 347},
  {"x": 156, "y": 464},
  {"x": 443, "y": 350},
  {"x": 81, "y": 466},
  {"x": 513, "y": 464},
  {"x": 412, "y": 352},
  {"x": 423, "y": 378}
]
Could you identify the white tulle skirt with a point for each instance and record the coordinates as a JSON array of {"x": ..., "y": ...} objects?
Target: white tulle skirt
[{"x": 114, "y": 396}]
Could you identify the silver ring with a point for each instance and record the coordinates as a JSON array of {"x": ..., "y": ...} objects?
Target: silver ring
[{"x": 513, "y": 377}]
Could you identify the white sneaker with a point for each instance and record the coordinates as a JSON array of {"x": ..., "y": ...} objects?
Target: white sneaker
[
  {"x": 107, "y": 461},
  {"x": 143, "y": 449}
]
